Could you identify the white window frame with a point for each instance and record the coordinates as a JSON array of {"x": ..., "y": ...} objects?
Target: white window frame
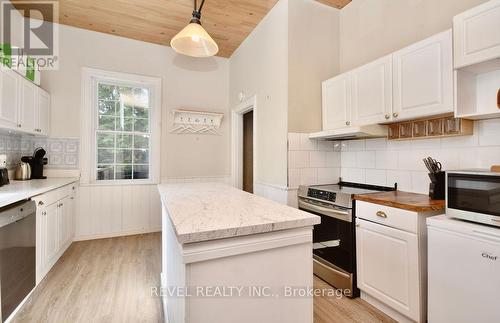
[{"x": 88, "y": 150}]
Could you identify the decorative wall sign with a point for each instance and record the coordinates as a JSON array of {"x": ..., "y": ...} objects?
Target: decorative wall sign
[{"x": 196, "y": 122}]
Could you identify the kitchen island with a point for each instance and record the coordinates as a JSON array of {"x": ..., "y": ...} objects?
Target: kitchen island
[{"x": 230, "y": 256}]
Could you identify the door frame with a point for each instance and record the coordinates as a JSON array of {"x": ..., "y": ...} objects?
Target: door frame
[{"x": 237, "y": 113}]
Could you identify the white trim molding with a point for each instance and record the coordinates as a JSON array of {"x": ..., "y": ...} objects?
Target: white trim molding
[
  {"x": 90, "y": 76},
  {"x": 237, "y": 140}
]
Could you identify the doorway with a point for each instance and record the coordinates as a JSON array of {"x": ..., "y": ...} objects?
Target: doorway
[
  {"x": 248, "y": 152},
  {"x": 244, "y": 151}
]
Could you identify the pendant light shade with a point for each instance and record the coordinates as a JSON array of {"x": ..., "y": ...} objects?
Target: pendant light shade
[{"x": 193, "y": 40}]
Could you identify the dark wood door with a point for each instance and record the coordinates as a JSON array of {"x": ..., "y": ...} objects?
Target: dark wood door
[{"x": 248, "y": 152}]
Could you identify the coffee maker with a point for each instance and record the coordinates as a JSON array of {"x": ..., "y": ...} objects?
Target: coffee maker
[
  {"x": 4, "y": 173},
  {"x": 36, "y": 162}
]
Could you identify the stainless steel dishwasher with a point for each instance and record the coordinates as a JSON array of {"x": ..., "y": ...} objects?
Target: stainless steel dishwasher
[{"x": 17, "y": 254}]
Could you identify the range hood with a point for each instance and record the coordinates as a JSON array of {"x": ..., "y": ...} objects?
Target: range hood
[{"x": 350, "y": 133}]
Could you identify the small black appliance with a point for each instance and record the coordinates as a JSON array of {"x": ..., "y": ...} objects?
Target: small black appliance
[{"x": 36, "y": 162}]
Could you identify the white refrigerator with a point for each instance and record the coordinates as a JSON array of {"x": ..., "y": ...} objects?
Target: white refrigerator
[{"x": 463, "y": 271}]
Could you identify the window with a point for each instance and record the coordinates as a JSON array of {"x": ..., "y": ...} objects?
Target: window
[
  {"x": 124, "y": 136},
  {"x": 123, "y": 132}
]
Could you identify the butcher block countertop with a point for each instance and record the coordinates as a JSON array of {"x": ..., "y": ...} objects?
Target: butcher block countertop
[{"x": 403, "y": 200}]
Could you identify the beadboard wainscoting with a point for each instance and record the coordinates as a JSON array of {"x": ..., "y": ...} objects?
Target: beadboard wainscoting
[
  {"x": 116, "y": 210},
  {"x": 383, "y": 162}
]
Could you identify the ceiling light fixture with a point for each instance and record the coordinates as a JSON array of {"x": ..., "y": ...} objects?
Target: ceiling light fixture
[{"x": 193, "y": 40}]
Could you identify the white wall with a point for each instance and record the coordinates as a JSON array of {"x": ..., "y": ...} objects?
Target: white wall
[
  {"x": 313, "y": 56},
  {"x": 382, "y": 162},
  {"x": 260, "y": 67},
  {"x": 373, "y": 28},
  {"x": 187, "y": 83}
]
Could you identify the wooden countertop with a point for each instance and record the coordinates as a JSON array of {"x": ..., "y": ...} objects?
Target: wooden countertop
[{"x": 403, "y": 200}]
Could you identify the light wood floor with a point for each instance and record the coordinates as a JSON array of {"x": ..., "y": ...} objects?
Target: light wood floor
[
  {"x": 110, "y": 280},
  {"x": 106, "y": 280}
]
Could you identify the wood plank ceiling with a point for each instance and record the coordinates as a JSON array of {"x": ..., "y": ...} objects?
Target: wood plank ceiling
[{"x": 229, "y": 22}]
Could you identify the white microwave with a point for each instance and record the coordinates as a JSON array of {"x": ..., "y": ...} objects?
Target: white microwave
[{"x": 473, "y": 196}]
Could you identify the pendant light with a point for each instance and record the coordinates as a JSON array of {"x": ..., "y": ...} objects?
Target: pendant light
[{"x": 193, "y": 40}]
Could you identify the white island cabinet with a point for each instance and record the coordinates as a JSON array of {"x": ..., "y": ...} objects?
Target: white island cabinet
[{"x": 230, "y": 256}]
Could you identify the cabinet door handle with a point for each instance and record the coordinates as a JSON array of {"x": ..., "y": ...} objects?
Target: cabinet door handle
[
  {"x": 387, "y": 116},
  {"x": 348, "y": 123},
  {"x": 40, "y": 203},
  {"x": 395, "y": 115},
  {"x": 382, "y": 214}
]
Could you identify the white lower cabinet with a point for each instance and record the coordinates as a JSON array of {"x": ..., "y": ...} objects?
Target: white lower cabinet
[
  {"x": 55, "y": 226},
  {"x": 388, "y": 266},
  {"x": 391, "y": 255}
]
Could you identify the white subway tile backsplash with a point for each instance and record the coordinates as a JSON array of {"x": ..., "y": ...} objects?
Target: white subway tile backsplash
[
  {"x": 328, "y": 175},
  {"x": 308, "y": 176},
  {"x": 420, "y": 182},
  {"x": 434, "y": 143},
  {"x": 307, "y": 144},
  {"x": 348, "y": 159},
  {"x": 383, "y": 162},
  {"x": 293, "y": 177},
  {"x": 312, "y": 162},
  {"x": 376, "y": 144},
  {"x": 365, "y": 159},
  {"x": 489, "y": 132},
  {"x": 356, "y": 145},
  {"x": 298, "y": 159},
  {"x": 386, "y": 159},
  {"x": 403, "y": 178},
  {"x": 376, "y": 177},
  {"x": 317, "y": 159},
  {"x": 356, "y": 175},
  {"x": 488, "y": 156},
  {"x": 326, "y": 145},
  {"x": 398, "y": 145},
  {"x": 294, "y": 141},
  {"x": 333, "y": 159}
]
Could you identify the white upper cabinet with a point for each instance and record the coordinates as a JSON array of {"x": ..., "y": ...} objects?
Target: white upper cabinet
[
  {"x": 476, "y": 34},
  {"x": 372, "y": 92},
  {"x": 336, "y": 94},
  {"x": 43, "y": 112},
  {"x": 23, "y": 105},
  {"x": 28, "y": 109},
  {"x": 423, "y": 78},
  {"x": 9, "y": 98}
]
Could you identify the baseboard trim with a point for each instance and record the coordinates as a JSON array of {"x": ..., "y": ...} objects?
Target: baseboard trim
[{"x": 115, "y": 234}]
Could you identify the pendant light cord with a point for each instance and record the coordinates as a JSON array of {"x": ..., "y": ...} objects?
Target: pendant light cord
[{"x": 197, "y": 11}]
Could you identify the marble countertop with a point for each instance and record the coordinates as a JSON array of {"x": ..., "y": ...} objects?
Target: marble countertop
[
  {"x": 20, "y": 190},
  {"x": 210, "y": 211}
]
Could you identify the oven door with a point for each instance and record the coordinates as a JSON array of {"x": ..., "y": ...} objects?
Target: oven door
[
  {"x": 474, "y": 197},
  {"x": 333, "y": 238}
]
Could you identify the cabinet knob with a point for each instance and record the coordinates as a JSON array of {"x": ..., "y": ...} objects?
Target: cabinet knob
[
  {"x": 348, "y": 123},
  {"x": 40, "y": 203},
  {"x": 382, "y": 214},
  {"x": 387, "y": 116},
  {"x": 395, "y": 115},
  {"x": 19, "y": 126}
]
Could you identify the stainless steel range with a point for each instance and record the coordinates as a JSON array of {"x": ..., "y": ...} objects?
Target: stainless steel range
[{"x": 334, "y": 240}]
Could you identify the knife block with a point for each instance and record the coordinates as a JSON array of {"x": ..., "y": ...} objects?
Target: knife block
[{"x": 437, "y": 187}]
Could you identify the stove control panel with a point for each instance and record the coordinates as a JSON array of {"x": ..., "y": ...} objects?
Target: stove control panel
[{"x": 322, "y": 195}]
